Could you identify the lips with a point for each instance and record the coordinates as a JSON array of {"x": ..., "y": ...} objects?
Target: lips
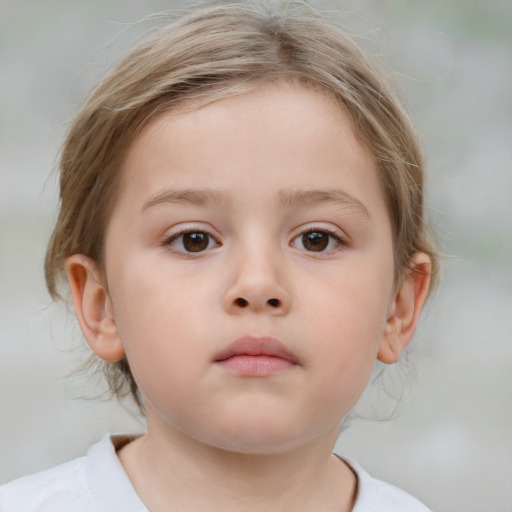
[{"x": 256, "y": 356}]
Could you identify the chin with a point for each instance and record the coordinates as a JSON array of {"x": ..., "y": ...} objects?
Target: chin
[{"x": 258, "y": 437}]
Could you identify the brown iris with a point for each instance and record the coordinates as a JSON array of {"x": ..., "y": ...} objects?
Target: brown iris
[
  {"x": 315, "y": 241},
  {"x": 195, "y": 242}
]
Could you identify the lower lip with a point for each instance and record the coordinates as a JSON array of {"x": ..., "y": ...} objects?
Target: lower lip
[{"x": 255, "y": 366}]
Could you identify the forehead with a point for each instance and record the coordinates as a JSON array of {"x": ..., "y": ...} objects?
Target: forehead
[{"x": 280, "y": 136}]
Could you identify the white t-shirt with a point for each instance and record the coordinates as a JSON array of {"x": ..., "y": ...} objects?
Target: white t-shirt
[{"x": 98, "y": 483}]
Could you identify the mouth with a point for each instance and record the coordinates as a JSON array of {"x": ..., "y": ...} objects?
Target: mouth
[{"x": 256, "y": 357}]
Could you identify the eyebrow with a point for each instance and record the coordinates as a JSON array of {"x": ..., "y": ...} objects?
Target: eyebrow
[
  {"x": 306, "y": 198},
  {"x": 194, "y": 197},
  {"x": 286, "y": 198}
]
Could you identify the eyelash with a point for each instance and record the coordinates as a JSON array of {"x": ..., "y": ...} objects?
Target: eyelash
[
  {"x": 332, "y": 235},
  {"x": 176, "y": 236}
]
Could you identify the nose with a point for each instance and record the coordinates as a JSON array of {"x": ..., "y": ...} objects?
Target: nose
[{"x": 256, "y": 284}]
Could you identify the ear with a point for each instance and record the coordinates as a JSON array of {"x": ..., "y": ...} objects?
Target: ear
[
  {"x": 405, "y": 308},
  {"x": 93, "y": 308}
]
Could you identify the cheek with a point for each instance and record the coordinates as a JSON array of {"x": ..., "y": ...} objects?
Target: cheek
[
  {"x": 347, "y": 323},
  {"x": 157, "y": 324},
  {"x": 156, "y": 300}
]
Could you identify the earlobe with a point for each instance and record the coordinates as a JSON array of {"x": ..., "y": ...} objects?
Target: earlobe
[
  {"x": 93, "y": 308},
  {"x": 405, "y": 309}
]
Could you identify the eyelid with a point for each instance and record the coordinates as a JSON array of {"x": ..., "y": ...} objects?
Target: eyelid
[
  {"x": 182, "y": 229},
  {"x": 336, "y": 233},
  {"x": 319, "y": 226}
]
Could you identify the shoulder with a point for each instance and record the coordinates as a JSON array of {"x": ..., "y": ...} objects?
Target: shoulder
[
  {"x": 58, "y": 489},
  {"x": 94, "y": 483},
  {"x": 375, "y": 495}
]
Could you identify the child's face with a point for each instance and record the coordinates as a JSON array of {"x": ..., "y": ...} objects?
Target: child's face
[{"x": 257, "y": 216}]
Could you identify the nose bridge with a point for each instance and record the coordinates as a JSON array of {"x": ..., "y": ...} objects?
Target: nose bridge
[{"x": 257, "y": 277}]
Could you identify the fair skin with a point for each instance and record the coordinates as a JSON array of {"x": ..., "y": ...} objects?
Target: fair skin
[{"x": 287, "y": 238}]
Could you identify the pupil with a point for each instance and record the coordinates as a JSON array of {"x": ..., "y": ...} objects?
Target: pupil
[
  {"x": 315, "y": 241},
  {"x": 195, "y": 242}
]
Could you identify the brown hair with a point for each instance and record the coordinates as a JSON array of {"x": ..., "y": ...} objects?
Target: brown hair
[{"x": 212, "y": 52}]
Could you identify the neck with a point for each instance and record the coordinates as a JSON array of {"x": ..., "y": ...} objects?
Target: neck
[{"x": 171, "y": 471}]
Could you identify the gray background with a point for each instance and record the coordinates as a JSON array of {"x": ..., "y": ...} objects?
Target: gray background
[{"x": 451, "y": 444}]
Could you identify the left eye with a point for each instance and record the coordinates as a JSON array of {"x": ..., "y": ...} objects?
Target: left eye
[
  {"x": 191, "y": 241},
  {"x": 316, "y": 240}
]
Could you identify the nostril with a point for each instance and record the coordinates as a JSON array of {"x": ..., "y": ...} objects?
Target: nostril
[
  {"x": 241, "y": 302},
  {"x": 273, "y": 302}
]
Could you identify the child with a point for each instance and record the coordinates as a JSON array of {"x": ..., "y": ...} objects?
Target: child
[{"x": 242, "y": 229}]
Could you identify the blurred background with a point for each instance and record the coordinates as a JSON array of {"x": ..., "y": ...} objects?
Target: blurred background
[{"x": 451, "y": 444}]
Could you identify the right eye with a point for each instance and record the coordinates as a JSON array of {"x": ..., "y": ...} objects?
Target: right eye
[
  {"x": 319, "y": 240},
  {"x": 191, "y": 241}
]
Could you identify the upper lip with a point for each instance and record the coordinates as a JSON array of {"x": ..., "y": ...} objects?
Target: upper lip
[{"x": 256, "y": 346}]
